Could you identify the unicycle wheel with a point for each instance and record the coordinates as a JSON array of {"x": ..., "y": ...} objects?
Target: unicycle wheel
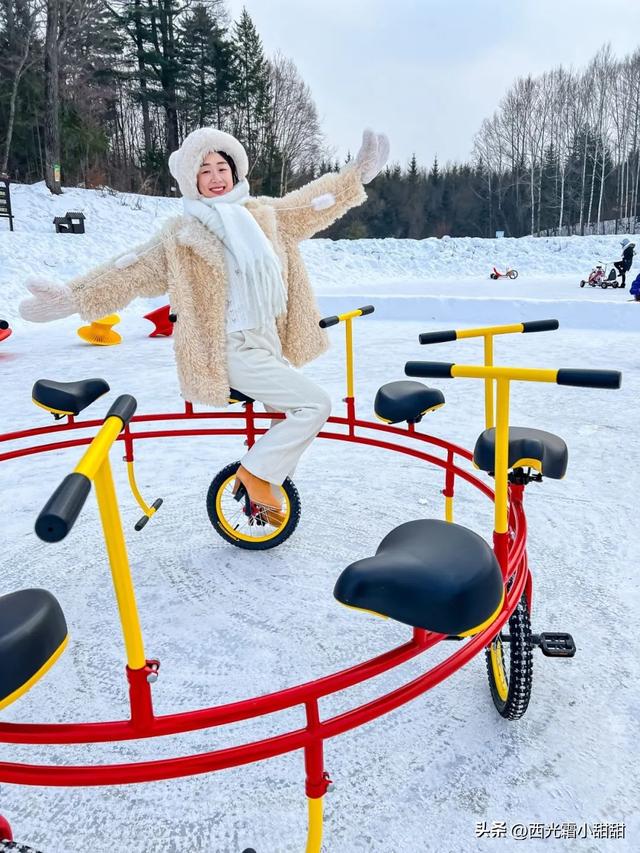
[
  {"x": 510, "y": 665},
  {"x": 245, "y": 524}
]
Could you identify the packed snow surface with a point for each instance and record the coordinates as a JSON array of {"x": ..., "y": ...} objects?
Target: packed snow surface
[{"x": 229, "y": 624}]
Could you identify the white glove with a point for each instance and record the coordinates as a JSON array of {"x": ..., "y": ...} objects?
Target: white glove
[
  {"x": 372, "y": 156},
  {"x": 50, "y": 301}
]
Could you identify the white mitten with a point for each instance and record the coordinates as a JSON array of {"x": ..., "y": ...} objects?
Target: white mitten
[
  {"x": 383, "y": 152},
  {"x": 50, "y": 301},
  {"x": 372, "y": 155}
]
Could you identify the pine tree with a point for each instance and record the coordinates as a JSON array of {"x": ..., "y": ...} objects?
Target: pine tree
[
  {"x": 434, "y": 174},
  {"x": 251, "y": 90},
  {"x": 413, "y": 169},
  {"x": 206, "y": 65}
]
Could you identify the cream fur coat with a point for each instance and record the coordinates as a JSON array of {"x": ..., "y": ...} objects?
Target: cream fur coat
[{"x": 187, "y": 262}]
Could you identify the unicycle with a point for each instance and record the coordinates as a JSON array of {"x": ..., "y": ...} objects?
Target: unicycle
[{"x": 246, "y": 524}]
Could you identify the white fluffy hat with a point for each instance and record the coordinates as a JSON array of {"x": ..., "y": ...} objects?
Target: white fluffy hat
[{"x": 186, "y": 161}]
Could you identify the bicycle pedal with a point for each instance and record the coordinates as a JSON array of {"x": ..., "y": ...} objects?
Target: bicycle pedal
[{"x": 556, "y": 645}]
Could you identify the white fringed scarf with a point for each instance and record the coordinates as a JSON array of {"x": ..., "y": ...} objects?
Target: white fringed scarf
[{"x": 257, "y": 291}]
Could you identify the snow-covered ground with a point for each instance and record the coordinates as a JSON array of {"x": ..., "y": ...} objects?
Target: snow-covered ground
[
  {"x": 438, "y": 280},
  {"x": 228, "y": 624}
]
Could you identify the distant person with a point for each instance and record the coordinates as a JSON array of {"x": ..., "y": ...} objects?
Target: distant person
[
  {"x": 635, "y": 288},
  {"x": 624, "y": 265},
  {"x": 237, "y": 282}
]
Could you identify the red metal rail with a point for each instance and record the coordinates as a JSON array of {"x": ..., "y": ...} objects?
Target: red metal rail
[{"x": 511, "y": 551}]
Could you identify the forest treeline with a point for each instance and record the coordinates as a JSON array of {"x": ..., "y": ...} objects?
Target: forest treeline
[{"x": 99, "y": 92}]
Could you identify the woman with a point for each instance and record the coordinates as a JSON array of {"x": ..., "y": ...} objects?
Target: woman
[
  {"x": 236, "y": 281},
  {"x": 624, "y": 265}
]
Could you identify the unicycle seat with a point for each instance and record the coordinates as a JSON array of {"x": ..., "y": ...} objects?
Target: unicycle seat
[
  {"x": 33, "y": 633},
  {"x": 67, "y": 398},
  {"x": 430, "y": 574},
  {"x": 406, "y": 401},
  {"x": 239, "y": 397},
  {"x": 528, "y": 448}
]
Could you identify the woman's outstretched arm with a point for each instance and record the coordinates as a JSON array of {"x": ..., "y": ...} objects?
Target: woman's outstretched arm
[
  {"x": 317, "y": 205},
  {"x": 142, "y": 271}
]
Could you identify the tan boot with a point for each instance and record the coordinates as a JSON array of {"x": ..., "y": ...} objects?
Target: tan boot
[{"x": 259, "y": 490}]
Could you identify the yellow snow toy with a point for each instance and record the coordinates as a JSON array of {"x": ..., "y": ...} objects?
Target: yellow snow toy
[{"x": 100, "y": 332}]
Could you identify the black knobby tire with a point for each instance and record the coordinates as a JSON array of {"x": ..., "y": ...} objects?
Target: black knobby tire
[
  {"x": 272, "y": 537},
  {"x": 582, "y": 283},
  {"x": 513, "y": 274},
  {"x": 16, "y": 847},
  {"x": 517, "y": 663}
]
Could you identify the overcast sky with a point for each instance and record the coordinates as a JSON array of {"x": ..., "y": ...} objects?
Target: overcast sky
[{"x": 427, "y": 72}]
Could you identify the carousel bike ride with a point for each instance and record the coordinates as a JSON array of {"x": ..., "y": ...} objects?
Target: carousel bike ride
[{"x": 437, "y": 577}]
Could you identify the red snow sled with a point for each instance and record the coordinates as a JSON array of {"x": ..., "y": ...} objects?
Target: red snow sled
[
  {"x": 160, "y": 318},
  {"x": 5, "y": 331},
  {"x": 509, "y": 273}
]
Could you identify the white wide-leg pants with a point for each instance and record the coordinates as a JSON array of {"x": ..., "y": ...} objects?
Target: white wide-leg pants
[{"x": 258, "y": 369}]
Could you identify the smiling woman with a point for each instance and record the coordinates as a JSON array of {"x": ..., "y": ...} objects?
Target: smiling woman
[{"x": 246, "y": 314}]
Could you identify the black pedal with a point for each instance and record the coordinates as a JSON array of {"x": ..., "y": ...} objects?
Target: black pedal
[{"x": 554, "y": 645}]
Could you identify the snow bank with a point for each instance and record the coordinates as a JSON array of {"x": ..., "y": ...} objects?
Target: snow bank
[{"x": 442, "y": 280}]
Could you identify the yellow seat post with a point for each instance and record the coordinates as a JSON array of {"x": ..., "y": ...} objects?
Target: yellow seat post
[
  {"x": 350, "y": 398},
  {"x": 95, "y": 465},
  {"x": 488, "y": 382},
  {"x": 119, "y": 563},
  {"x": 501, "y": 505},
  {"x": 348, "y": 329}
]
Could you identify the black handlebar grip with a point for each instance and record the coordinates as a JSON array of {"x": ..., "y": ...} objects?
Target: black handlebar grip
[
  {"x": 328, "y": 321},
  {"x": 438, "y": 337},
  {"x": 367, "y": 309},
  {"x": 4, "y": 325},
  {"x": 173, "y": 318},
  {"x": 123, "y": 408},
  {"x": 590, "y": 378},
  {"x": 429, "y": 369},
  {"x": 540, "y": 326},
  {"x": 63, "y": 507}
]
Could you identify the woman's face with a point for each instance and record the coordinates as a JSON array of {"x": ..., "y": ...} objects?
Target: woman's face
[{"x": 214, "y": 177}]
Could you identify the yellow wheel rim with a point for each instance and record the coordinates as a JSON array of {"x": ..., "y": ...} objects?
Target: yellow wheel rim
[
  {"x": 235, "y": 522},
  {"x": 497, "y": 668}
]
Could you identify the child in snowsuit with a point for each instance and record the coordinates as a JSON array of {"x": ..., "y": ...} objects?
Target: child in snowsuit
[
  {"x": 624, "y": 265},
  {"x": 236, "y": 281}
]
